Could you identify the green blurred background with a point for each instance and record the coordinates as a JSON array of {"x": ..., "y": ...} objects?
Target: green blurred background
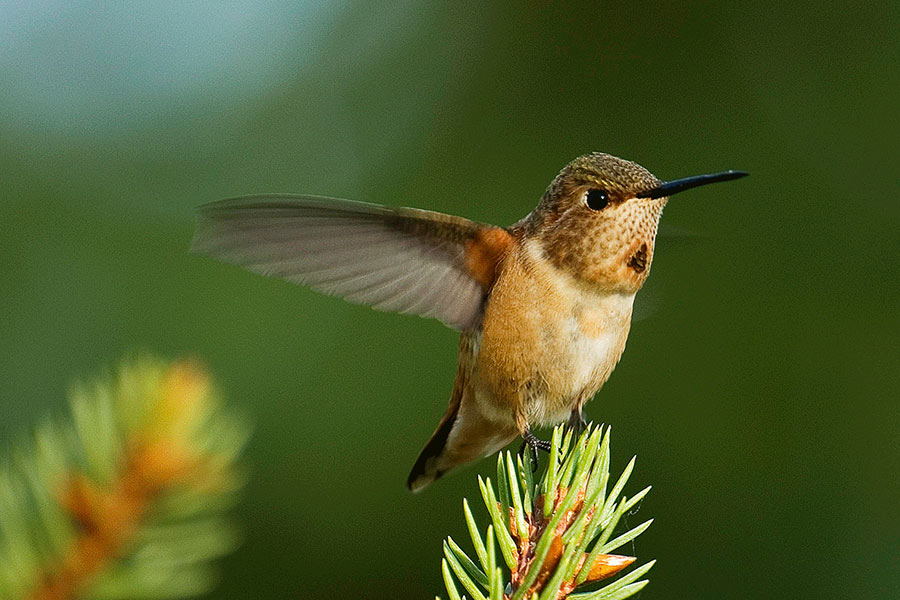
[{"x": 760, "y": 394}]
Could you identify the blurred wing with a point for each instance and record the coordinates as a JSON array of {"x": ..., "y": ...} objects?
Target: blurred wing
[
  {"x": 393, "y": 259},
  {"x": 652, "y": 296}
]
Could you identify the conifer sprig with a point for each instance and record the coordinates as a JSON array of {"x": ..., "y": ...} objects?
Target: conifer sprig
[
  {"x": 126, "y": 500},
  {"x": 553, "y": 534}
]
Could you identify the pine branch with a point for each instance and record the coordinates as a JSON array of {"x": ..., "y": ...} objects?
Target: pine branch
[
  {"x": 554, "y": 535},
  {"x": 127, "y": 500}
]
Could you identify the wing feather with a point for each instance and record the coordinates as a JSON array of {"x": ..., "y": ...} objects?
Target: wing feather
[{"x": 393, "y": 259}]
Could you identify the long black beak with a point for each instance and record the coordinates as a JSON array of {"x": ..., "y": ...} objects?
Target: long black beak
[{"x": 667, "y": 188}]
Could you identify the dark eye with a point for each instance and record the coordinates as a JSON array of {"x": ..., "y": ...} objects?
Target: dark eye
[{"x": 597, "y": 199}]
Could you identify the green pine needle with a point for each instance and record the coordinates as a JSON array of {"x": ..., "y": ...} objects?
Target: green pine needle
[
  {"x": 476, "y": 536},
  {"x": 127, "y": 498},
  {"x": 563, "y": 521}
]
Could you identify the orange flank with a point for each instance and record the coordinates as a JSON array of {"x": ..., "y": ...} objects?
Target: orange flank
[{"x": 484, "y": 253}]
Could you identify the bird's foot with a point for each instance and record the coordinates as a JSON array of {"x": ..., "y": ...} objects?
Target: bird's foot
[{"x": 534, "y": 444}]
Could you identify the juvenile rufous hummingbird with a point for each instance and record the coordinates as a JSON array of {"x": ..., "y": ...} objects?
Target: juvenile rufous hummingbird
[{"x": 543, "y": 306}]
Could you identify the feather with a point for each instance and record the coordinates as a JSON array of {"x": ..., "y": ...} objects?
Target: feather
[{"x": 393, "y": 259}]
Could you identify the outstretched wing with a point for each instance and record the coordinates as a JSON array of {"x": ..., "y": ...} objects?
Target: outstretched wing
[{"x": 393, "y": 259}]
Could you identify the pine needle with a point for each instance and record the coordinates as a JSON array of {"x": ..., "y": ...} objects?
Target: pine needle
[
  {"x": 545, "y": 526},
  {"x": 126, "y": 498}
]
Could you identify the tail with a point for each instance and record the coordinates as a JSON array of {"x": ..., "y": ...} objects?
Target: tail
[
  {"x": 427, "y": 468},
  {"x": 463, "y": 435}
]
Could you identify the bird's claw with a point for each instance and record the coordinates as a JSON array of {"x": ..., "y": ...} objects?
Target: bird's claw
[{"x": 534, "y": 444}]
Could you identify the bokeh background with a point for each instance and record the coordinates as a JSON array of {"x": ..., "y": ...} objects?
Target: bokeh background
[{"x": 760, "y": 390}]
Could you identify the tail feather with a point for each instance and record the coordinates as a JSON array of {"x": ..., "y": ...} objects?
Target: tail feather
[
  {"x": 462, "y": 436},
  {"x": 465, "y": 433},
  {"x": 427, "y": 468}
]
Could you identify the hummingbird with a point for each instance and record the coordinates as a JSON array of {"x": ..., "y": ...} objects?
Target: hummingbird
[{"x": 543, "y": 306}]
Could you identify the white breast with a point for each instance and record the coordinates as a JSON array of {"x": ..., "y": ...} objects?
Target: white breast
[
  {"x": 591, "y": 341},
  {"x": 590, "y": 355}
]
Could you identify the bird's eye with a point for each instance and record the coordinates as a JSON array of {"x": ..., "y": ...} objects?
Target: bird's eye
[{"x": 597, "y": 199}]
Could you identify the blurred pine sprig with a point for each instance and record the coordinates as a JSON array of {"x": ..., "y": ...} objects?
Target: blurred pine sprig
[
  {"x": 553, "y": 534},
  {"x": 127, "y": 499}
]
